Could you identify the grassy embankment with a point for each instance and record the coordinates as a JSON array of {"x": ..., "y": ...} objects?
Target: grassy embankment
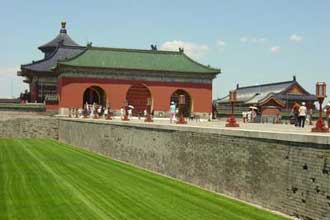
[{"x": 44, "y": 179}]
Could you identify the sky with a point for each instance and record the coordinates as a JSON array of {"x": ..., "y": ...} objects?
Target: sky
[{"x": 253, "y": 42}]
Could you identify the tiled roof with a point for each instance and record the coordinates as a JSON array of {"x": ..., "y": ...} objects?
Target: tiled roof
[
  {"x": 254, "y": 94},
  {"x": 61, "y": 39},
  {"x": 45, "y": 65},
  {"x": 132, "y": 59},
  {"x": 245, "y": 94}
]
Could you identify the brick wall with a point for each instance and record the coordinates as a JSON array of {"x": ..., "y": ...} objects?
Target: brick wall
[
  {"x": 290, "y": 177},
  {"x": 33, "y": 127}
]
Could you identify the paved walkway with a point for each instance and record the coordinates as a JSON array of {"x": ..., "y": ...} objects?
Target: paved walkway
[
  {"x": 219, "y": 123},
  {"x": 283, "y": 128}
]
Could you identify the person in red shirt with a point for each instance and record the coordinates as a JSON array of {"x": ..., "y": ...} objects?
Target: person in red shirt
[{"x": 327, "y": 114}]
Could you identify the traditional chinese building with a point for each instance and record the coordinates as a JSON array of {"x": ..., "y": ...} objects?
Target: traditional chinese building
[
  {"x": 77, "y": 75},
  {"x": 269, "y": 97},
  {"x": 40, "y": 76}
]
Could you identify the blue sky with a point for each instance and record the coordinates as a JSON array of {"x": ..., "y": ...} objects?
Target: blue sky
[{"x": 253, "y": 42}]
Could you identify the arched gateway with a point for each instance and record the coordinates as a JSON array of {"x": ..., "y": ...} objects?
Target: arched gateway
[
  {"x": 94, "y": 94},
  {"x": 137, "y": 96},
  {"x": 188, "y": 101}
]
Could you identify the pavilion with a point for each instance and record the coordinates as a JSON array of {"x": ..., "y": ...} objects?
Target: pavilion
[
  {"x": 71, "y": 75},
  {"x": 279, "y": 95}
]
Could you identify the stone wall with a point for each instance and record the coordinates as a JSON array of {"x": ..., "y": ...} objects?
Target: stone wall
[
  {"x": 31, "y": 127},
  {"x": 290, "y": 177}
]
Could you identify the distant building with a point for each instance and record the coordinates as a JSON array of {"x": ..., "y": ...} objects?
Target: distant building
[
  {"x": 280, "y": 95},
  {"x": 71, "y": 75}
]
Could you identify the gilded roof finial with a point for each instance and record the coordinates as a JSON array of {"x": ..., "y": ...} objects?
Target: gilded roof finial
[{"x": 63, "y": 25}]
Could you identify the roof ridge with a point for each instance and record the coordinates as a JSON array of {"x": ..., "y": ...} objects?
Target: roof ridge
[
  {"x": 72, "y": 58},
  {"x": 205, "y": 66},
  {"x": 53, "y": 54},
  {"x": 266, "y": 84},
  {"x": 135, "y": 50},
  {"x": 172, "y": 55},
  {"x": 44, "y": 59}
]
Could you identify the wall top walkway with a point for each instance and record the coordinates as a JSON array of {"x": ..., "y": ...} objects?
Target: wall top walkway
[{"x": 268, "y": 132}]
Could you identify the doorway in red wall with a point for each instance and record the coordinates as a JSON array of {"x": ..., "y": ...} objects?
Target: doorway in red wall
[
  {"x": 137, "y": 96},
  {"x": 188, "y": 101},
  {"x": 94, "y": 94}
]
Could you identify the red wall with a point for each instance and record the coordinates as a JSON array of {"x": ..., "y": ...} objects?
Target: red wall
[{"x": 71, "y": 92}]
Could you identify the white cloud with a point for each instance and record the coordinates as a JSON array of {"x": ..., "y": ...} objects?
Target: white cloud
[
  {"x": 10, "y": 84},
  {"x": 296, "y": 38},
  {"x": 254, "y": 40},
  {"x": 243, "y": 39},
  {"x": 191, "y": 49},
  {"x": 8, "y": 71},
  {"x": 221, "y": 43},
  {"x": 275, "y": 49}
]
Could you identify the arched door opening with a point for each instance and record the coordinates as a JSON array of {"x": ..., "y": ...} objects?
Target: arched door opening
[
  {"x": 94, "y": 94},
  {"x": 137, "y": 96},
  {"x": 187, "y": 106}
]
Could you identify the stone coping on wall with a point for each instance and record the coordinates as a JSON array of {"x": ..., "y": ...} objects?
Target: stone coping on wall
[{"x": 313, "y": 138}]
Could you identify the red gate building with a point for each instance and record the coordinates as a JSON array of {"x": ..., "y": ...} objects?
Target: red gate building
[{"x": 110, "y": 76}]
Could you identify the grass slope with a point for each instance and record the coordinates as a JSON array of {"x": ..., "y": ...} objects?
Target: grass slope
[{"x": 43, "y": 179}]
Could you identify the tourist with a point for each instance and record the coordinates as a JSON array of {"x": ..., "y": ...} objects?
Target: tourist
[
  {"x": 210, "y": 116},
  {"x": 249, "y": 115},
  {"x": 76, "y": 113},
  {"x": 244, "y": 115},
  {"x": 122, "y": 113},
  {"x": 99, "y": 111},
  {"x": 327, "y": 114},
  {"x": 302, "y": 115},
  {"x": 295, "y": 112},
  {"x": 130, "y": 112},
  {"x": 253, "y": 115},
  {"x": 106, "y": 112},
  {"x": 91, "y": 112},
  {"x": 309, "y": 117},
  {"x": 80, "y": 113},
  {"x": 172, "y": 112}
]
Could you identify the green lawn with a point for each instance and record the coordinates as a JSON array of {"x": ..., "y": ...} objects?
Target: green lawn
[{"x": 44, "y": 179}]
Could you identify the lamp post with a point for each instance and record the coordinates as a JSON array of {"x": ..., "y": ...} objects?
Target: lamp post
[
  {"x": 148, "y": 116},
  {"x": 231, "y": 121},
  {"x": 321, "y": 95},
  {"x": 125, "y": 118},
  {"x": 182, "y": 102}
]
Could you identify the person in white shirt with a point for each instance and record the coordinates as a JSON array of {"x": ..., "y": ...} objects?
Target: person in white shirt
[
  {"x": 302, "y": 114},
  {"x": 130, "y": 112},
  {"x": 122, "y": 113}
]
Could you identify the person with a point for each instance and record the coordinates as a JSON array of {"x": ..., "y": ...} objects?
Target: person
[
  {"x": 106, "y": 112},
  {"x": 130, "y": 112},
  {"x": 309, "y": 117},
  {"x": 295, "y": 112},
  {"x": 172, "y": 112},
  {"x": 302, "y": 114},
  {"x": 122, "y": 113},
  {"x": 327, "y": 114},
  {"x": 80, "y": 113},
  {"x": 99, "y": 111},
  {"x": 244, "y": 115},
  {"x": 254, "y": 115},
  {"x": 249, "y": 114},
  {"x": 91, "y": 112}
]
